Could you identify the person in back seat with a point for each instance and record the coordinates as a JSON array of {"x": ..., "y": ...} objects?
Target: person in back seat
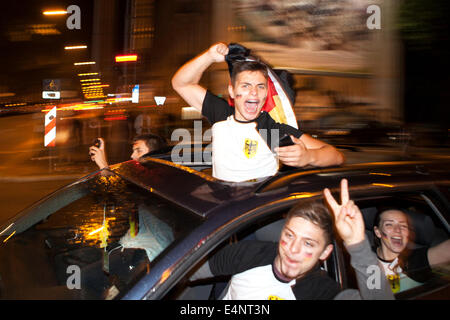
[{"x": 404, "y": 267}]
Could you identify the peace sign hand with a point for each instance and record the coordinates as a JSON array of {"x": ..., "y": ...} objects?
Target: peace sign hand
[{"x": 348, "y": 218}]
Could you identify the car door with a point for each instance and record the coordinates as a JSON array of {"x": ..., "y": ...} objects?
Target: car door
[{"x": 262, "y": 223}]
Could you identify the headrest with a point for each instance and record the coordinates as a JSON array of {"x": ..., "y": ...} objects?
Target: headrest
[
  {"x": 423, "y": 228},
  {"x": 369, "y": 215}
]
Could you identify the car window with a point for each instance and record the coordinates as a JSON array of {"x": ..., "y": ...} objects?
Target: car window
[
  {"x": 266, "y": 227},
  {"x": 409, "y": 273},
  {"x": 91, "y": 241}
]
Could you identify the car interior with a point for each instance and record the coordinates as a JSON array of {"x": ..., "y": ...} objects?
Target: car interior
[
  {"x": 428, "y": 230},
  {"x": 265, "y": 229}
]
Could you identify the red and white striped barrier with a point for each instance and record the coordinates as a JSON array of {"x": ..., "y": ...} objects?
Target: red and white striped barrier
[{"x": 50, "y": 128}]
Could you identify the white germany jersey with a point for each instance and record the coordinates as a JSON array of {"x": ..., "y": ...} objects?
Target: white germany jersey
[
  {"x": 239, "y": 153},
  {"x": 259, "y": 284}
]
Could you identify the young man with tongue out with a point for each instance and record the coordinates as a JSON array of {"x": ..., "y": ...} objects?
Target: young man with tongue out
[{"x": 244, "y": 137}]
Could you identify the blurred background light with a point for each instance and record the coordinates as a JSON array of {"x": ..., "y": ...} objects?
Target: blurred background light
[
  {"x": 88, "y": 74},
  {"x": 54, "y": 12},
  {"x": 83, "y": 63},
  {"x": 126, "y": 58},
  {"x": 75, "y": 47}
]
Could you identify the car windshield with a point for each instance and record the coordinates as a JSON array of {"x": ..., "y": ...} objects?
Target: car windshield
[{"x": 91, "y": 240}]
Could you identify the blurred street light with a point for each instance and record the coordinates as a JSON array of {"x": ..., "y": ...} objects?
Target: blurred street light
[
  {"x": 54, "y": 12},
  {"x": 75, "y": 47},
  {"x": 99, "y": 86},
  {"x": 126, "y": 58},
  {"x": 89, "y": 80},
  {"x": 88, "y": 74},
  {"x": 83, "y": 63}
]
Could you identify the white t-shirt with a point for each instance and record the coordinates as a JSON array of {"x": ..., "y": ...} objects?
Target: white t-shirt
[
  {"x": 239, "y": 153},
  {"x": 259, "y": 284},
  {"x": 393, "y": 271}
]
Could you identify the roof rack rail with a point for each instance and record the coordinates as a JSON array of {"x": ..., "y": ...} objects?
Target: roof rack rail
[{"x": 285, "y": 178}]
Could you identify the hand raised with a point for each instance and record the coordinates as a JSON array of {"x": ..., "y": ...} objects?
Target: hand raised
[
  {"x": 347, "y": 216},
  {"x": 98, "y": 154},
  {"x": 101, "y": 144},
  {"x": 218, "y": 51}
]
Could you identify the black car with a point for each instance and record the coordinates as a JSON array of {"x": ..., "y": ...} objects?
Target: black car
[{"x": 140, "y": 229}]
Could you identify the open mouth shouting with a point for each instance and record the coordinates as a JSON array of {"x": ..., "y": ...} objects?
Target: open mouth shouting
[
  {"x": 249, "y": 92},
  {"x": 397, "y": 242},
  {"x": 251, "y": 106}
]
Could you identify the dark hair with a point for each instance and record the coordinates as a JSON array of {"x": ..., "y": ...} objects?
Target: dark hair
[
  {"x": 316, "y": 213},
  {"x": 152, "y": 141},
  {"x": 241, "y": 66}
]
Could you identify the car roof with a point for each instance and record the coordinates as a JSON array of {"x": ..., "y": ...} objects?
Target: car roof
[
  {"x": 176, "y": 183},
  {"x": 201, "y": 193}
]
